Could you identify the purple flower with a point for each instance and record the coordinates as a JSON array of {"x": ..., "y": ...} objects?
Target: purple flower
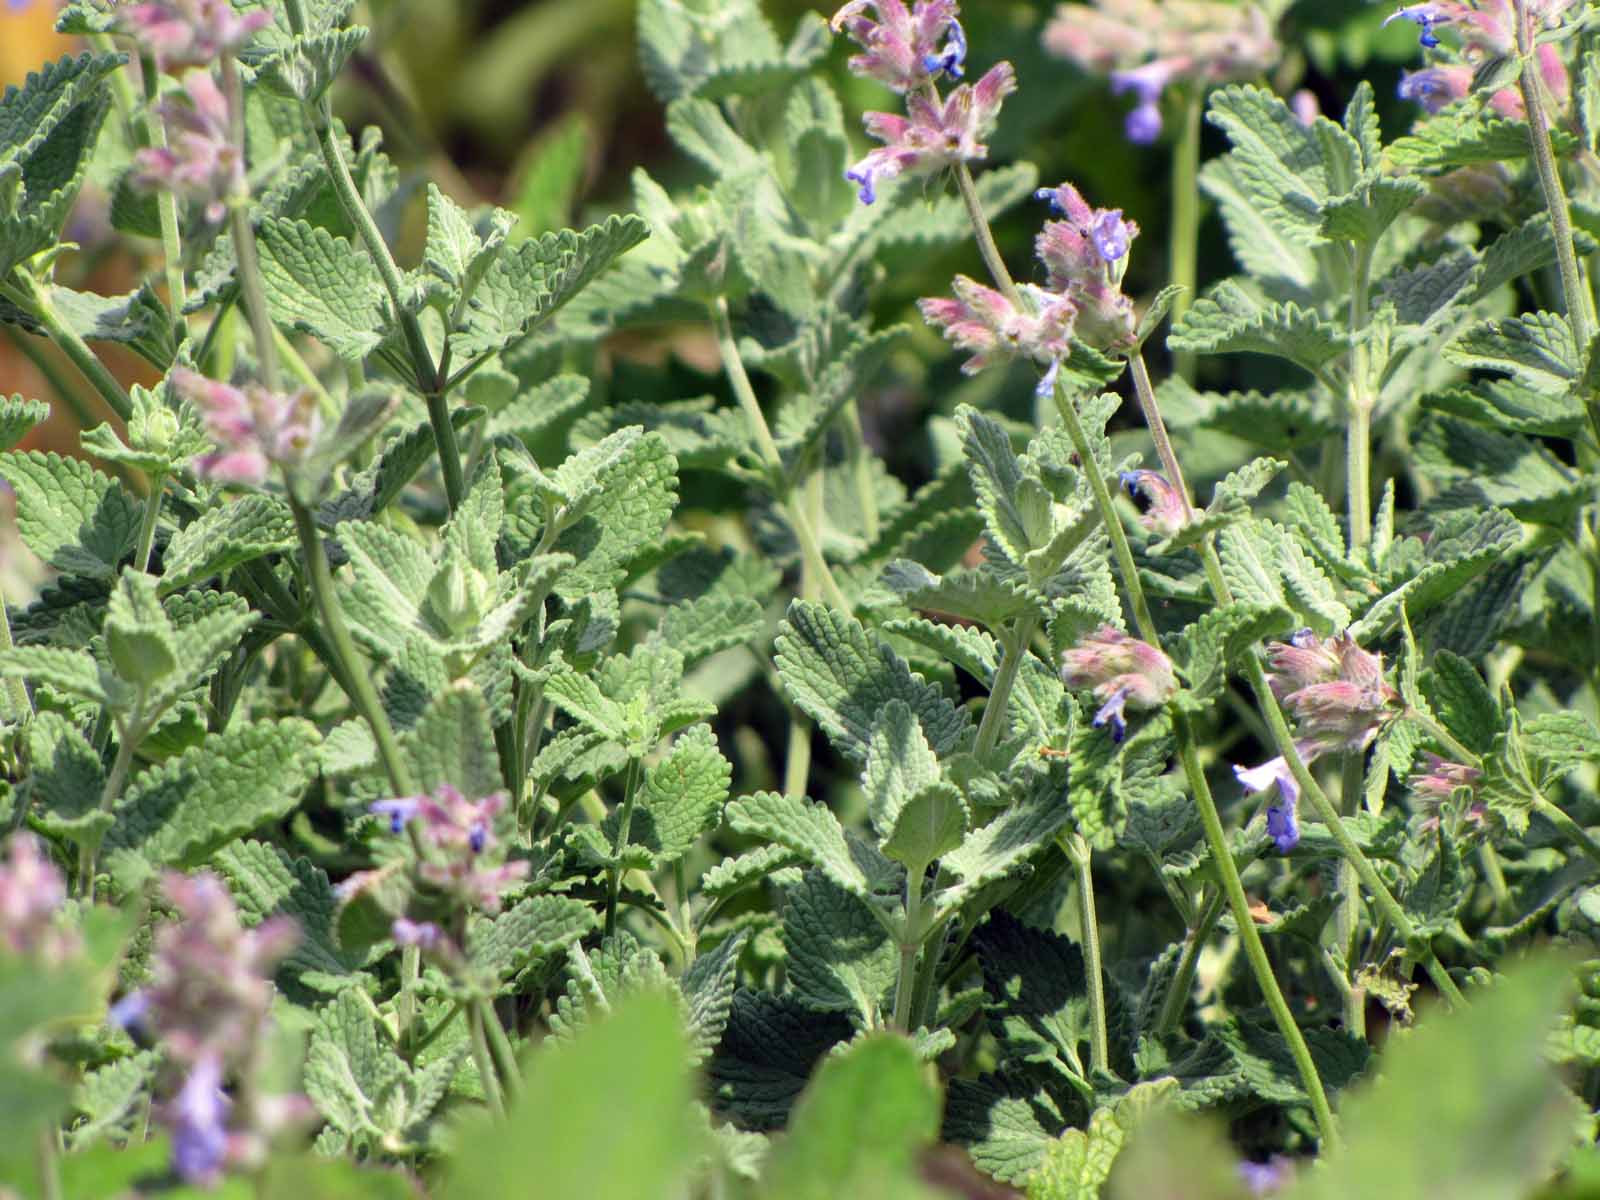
[
  {"x": 1167, "y": 512},
  {"x": 1435, "y": 87},
  {"x": 131, "y": 1011},
  {"x": 901, "y": 47},
  {"x": 935, "y": 134},
  {"x": 1123, "y": 671},
  {"x": 1427, "y": 16},
  {"x": 190, "y": 33},
  {"x": 198, "y": 1117},
  {"x": 254, "y": 428},
  {"x": 1264, "y": 1178},
  {"x": 425, "y": 934},
  {"x": 1146, "y": 82},
  {"x": 458, "y": 835},
  {"x": 398, "y": 811},
  {"x": 32, "y": 891},
  {"x": 1085, "y": 255},
  {"x": 1283, "y": 822}
]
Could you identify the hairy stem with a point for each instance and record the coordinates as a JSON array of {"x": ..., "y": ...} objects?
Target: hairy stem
[
  {"x": 1283, "y": 740},
  {"x": 1568, "y": 828},
  {"x": 1347, "y": 917},
  {"x": 150, "y": 131},
  {"x": 252, "y": 292},
  {"x": 1177, "y": 997},
  {"x": 34, "y": 297},
  {"x": 1216, "y": 839},
  {"x": 990, "y": 252},
  {"x": 1359, "y": 405},
  {"x": 1186, "y": 217},
  {"x": 361, "y": 691},
  {"x": 994, "y": 711},
  {"x": 805, "y": 533},
  {"x": 482, "y": 1059},
  {"x": 910, "y": 950},
  {"x": 132, "y": 732},
  {"x": 1146, "y": 393},
  {"x": 505, "y": 1055},
  {"x": 1079, "y": 855},
  {"x": 147, "y": 524},
  {"x": 624, "y": 822},
  {"x": 1555, "y": 196},
  {"x": 1250, "y": 936}
]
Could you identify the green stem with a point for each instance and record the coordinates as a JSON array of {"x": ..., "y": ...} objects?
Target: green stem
[
  {"x": 147, "y": 526},
  {"x": 1568, "y": 827},
  {"x": 1359, "y": 404},
  {"x": 985, "y": 236},
  {"x": 624, "y": 824},
  {"x": 484, "y": 1062},
  {"x": 994, "y": 712},
  {"x": 861, "y": 471},
  {"x": 1216, "y": 839},
  {"x": 361, "y": 691},
  {"x": 1555, "y": 197},
  {"x": 744, "y": 392},
  {"x": 252, "y": 291},
  {"x": 1108, "y": 514},
  {"x": 1347, "y": 917},
  {"x": 35, "y": 297},
  {"x": 110, "y": 792},
  {"x": 505, "y": 1055},
  {"x": 151, "y": 132},
  {"x": 1443, "y": 736},
  {"x": 1498, "y": 892},
  {"x": 405, "y": 1008},
  {"x": 1146, "y": 393},
  {"x": 911, "y": 936},
  {"x": 1078, "y": 853},
  {"x": 1186, "y": 217},
  {"x": 48, "y": 1163},
  {"x": 1283, "y": 740},
  {"x": 430, "y": 381},
  {"x": 1177, "y": 998},
  {"x": 680, "y": 890},
  {"x": 797, "y": 756},
  {"x": 1250, "y": 936}
]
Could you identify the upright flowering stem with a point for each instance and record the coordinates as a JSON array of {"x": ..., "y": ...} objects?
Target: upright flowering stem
[
  {"x": 1177, "y": 997},
  {"x": 805, "y": 533},
  {"x": 431, "y": 380},
  {"x": 1186, "y": 215},
  {"x": 252, "y": 292},
  {"x": 1555, "y": 196},
  {"x": 147, "y": 525},
  {"x": 34, "y": 297},
  {"x": 1079, "y": 855},
  {"x": 911, "y": 938},
  {"x": 1347, "y": 917},
  {"x": 1216, "y": 839},
  {"x": 1249, "y": 935},
  {"x": 1359, "y": 405},
  {"x": 995, "y": 265},
  {"x": 1283, "y": 739},
  {"x": 152, "y": 133},
  {"x": 994, "y": 710},
  {"x": 1146, "y": 393},
  {"x": 362, "y": 693}
]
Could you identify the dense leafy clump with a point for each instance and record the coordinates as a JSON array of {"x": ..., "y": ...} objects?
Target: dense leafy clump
[{"x": 451, "y": 746}]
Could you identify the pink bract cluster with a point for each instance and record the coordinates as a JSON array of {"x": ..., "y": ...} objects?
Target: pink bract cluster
[
  {"x": 1145, "y": 46},
  {"x": 32, "y": 891},
  {"x": 1123, "y": 671},
  {"x": 254, "y": 429},
  {"x": 200, "y": 163},
  {"x": 190, "y": 33}
]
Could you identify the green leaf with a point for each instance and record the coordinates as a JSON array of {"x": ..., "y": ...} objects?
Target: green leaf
[
  {"x": 681, "y": 797},
  {"x": 138, "y": 320},
  {"x": 1366, "y": 214},
  {"x": 324, "y": 286},
  {"x": 1288, "y": 169},
  {"x": 1534, "y": 349},
  {"x": 71, "y": 672},
  {"x": 900, "y": 764},
  {"x": 929, "y": 825},
  {"x": 1182, "y": 1158},
  {"x": 526, "y": 286},
  {"x": 769, "y": 1050},
  {"x": 733, "y": 875},
  {"x": 1217, "y": 642},
  {"x": 634, "y": 496},
  {"x": 181, "y": 812},
  {"x": 17, "y": 417},
  {"x": 1435, "y": 894},
  {"x": 453, "y": 743},
  {"x": 993, "y": 851},
  {"x": 226, "y": 537},
  {"x": 305, "y": 67},
  {"x": 1015, "y": 506},
  {"x": 842, "y": 679},
  {"x": 1457, "y": 136},
  {"x": 711, "y": 624},
  {"x": 804, "y": 828},
  {"x": 553, "y": 175},
  {"x": 979, "y": 596},
  {"x": 1007, "y": 1122},
  {"x": 138, "y": 635},
  {"x": 1462, "y": 701},
  {"x": 877, "y": 1083},
  {"x": 1467, "y": 1104},
  {"x": 66, "y": 781},
  {"x": 1229, "y": 321},
  {"x": 74, "y": 518},
  {"x": 839, "y": 957},
  {"x": 1078, "y": 1165},
  {"x": 681, "y": 45},
  {"x": 1037, "y": 993},
  {"x": 109, "y": 1098},
  {"x": 266, "y": 881},
  {"x": 1275, "y": 255},
  {"x": 535, "y": 930}
]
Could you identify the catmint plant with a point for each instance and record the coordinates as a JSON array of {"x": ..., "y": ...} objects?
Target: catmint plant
[{"x": 632, "y": 706}]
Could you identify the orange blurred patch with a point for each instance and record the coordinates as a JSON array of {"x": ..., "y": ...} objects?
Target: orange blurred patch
[{"x": 28, "y": 39}]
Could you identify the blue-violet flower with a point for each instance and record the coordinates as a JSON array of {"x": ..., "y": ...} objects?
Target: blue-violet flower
[
  {"x": 1123, "y": 671},
  {"x": 902, "y": 47}
]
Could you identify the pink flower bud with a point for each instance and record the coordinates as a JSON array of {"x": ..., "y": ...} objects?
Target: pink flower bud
[
  {"x": 1123, "y": 671},
  {"x": 903, "y": 49},
  {"x": 190, "y": 33},
  {"x": 32, "y": 891},
  {"x": 199, "y": 163},
  {"x": 254, "y": 428},
  {"x": 1167, "y": 513}
]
